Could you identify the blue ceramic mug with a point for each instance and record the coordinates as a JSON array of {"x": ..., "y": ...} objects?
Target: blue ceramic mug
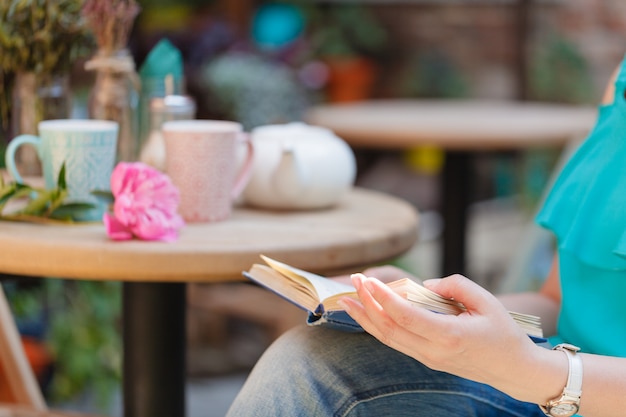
[{"x": 88, "y": 149}]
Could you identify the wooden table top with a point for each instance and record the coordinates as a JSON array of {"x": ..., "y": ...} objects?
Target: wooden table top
[
  {"x": 365, "y": 228},
  {"x": 454, "y": 124}
]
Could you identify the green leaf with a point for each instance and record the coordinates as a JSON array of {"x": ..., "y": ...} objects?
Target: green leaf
[
  {"x": 13, "y": 191},
  {"x": 39, "y": 204},
  {"x": 7, "y": 192},
  {"x": 70, "y": 211},
  {"x": 104, "y": 195},
  {"x": 61, "y": 183},
  {"x": 47, "y": 206},
  {"x": 57, "y": 196}
]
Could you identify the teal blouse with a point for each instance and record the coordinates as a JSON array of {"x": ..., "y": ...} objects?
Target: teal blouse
[{"x": 586, "y": 211}]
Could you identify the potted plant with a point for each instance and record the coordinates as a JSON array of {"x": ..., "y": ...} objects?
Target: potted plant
[
  {"x": 79, "y": 324},
  {"x": 39, "y": 40},
  {"x": 348, "y": 39}
]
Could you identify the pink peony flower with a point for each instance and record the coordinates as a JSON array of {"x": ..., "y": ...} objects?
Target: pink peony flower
[{"x": 145, "y": 204}]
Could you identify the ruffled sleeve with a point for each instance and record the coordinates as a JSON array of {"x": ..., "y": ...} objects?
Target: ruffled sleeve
[{"x": 590, "y": 193}]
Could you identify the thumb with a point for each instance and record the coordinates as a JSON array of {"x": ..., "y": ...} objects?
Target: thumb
[{"x": 467, "y": 292}]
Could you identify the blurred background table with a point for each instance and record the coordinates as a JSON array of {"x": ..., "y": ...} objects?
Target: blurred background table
[
  {"x": 462, "y": 128},
  {"x": 366, "y": 227}
]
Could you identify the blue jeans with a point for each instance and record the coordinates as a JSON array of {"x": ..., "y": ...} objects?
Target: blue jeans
[{"x": 321, "y": 372}]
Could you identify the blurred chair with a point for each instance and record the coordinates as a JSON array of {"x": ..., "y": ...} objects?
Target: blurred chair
[
  {"x": 17, "y": 381},
  {"x": 20, "y": 394}
]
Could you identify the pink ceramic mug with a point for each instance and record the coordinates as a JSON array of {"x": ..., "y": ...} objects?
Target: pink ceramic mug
[{"x": 200, "y": 158}]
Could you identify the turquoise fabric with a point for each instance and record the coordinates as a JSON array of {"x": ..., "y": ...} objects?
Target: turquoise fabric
[{"x": 586, "y": 211}]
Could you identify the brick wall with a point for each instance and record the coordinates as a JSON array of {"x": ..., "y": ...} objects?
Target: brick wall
[
  {"x": 597, "y": 27},
  {"x": 478, "y": 43}
]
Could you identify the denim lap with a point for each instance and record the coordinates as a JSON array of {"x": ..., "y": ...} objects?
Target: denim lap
[{"x": 321, "y": 372}]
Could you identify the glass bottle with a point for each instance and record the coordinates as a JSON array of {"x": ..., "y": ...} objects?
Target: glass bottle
[
  {"x": 163, "y": 109},
  {"x": 114, "y": 97},
  {"x": 37, "y": 97}
]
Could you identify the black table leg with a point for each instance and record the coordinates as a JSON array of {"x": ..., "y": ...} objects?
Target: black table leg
[
  {"x": 455, "y": 202},
  {"x": 154, "y": 349}
]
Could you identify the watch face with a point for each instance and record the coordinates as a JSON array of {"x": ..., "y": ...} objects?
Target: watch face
[{"x": 563, "y": 410}]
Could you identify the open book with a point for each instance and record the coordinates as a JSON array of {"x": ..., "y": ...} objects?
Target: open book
[{"x": 319, "y": 295}]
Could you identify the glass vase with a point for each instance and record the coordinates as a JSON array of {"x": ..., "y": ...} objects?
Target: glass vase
[
  {"x": 114, "y": 97},
  {"x": 36, "y": 97}
]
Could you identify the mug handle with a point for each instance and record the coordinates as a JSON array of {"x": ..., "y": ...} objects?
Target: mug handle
[
  {"x": 9, "y": 157},
  {"x": 245, "y": 172}
]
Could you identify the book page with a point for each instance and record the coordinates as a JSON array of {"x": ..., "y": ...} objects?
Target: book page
[
  {"x": 300, "y": 294},
  {"x": 423, "y": 297},
  {"x": 324, "y": 287}
]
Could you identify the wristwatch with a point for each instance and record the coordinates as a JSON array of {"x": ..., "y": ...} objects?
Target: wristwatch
[{"x": 568, "y": 403}]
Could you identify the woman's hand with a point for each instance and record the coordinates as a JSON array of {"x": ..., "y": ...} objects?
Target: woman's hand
[{"x": 483, "y": 344}]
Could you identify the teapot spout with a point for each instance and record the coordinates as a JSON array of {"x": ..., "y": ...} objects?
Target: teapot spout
[{"x": 289, "y": 179}]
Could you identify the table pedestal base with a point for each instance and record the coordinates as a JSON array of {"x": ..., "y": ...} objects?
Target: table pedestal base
[
  {"x": 455, "y": 203},
  {"x": 154, "y": 349}
]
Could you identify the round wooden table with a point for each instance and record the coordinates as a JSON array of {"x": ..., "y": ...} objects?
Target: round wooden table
[
  {"x": 461, "y": 128},
  {"x": 365, "y": 227}
]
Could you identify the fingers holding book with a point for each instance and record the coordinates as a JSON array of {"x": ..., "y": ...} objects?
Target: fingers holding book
[
  {"x": 383, "y": 313},
  {"x": 475, "y": 343}
]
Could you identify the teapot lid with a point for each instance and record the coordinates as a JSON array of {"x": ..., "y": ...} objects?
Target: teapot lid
[{"x": 293, "y": 129}]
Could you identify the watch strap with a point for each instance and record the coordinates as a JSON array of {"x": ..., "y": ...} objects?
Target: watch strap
[
  {"x": 575, "y": 376},
  {"x": 573, "y": 388}
]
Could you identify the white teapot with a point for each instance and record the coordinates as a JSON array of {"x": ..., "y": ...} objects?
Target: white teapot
[{"x": 298, "y": 166}]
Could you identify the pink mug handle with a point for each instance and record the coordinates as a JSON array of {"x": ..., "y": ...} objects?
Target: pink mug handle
[{"x": 245, "y": 172}]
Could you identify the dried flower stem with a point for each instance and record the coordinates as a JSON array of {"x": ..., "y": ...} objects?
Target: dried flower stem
[{"x": 111, "y": 22}]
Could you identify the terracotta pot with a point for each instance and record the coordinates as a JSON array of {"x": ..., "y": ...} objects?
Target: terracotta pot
[
  {"x": 39, "y": 358},
  {"x": 350, "y": 78}
]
